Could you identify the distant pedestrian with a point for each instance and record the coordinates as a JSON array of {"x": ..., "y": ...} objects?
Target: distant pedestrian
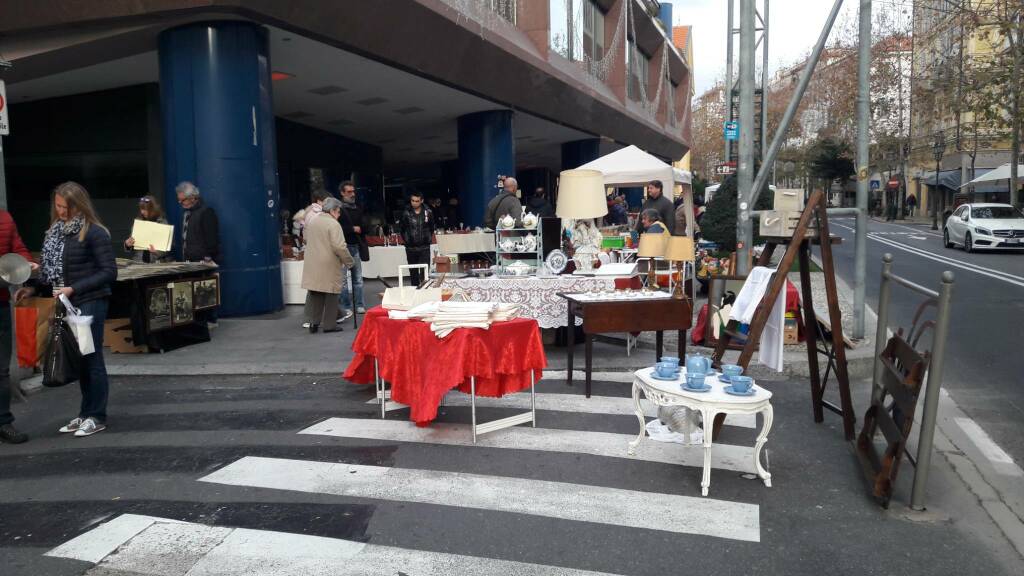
[
  {"x": 617, "y": 214},
  {"x": 911, "y": 204},
  {"x": 200, "y": 235},
  {"x": 150, "y": 211},
  {"x": 78, "y": 262},
  {"x": 539, "y": 205},
  {"x": 353, "y": 224},
  {"x": 10, "y": 242},
  {"x": 417, "y": 227},
  {"x": 324, "y": 262}
]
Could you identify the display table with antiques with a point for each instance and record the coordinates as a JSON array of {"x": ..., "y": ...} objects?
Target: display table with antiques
[
  {"x": 537, "y": 295},
  {"x": 385, "y": 260},
  {"x": 166, "y": 303},
  {"x": 624, "y": 311},
  {"x": 421, "y": 367},
  {"x": 465, "y": 242},
  {"x": 715, "y": 398}
]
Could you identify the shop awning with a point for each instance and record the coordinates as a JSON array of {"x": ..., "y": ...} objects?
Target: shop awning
[
  {"x": 1000, "y": 173},
  {"x": 947, "y": 178}
]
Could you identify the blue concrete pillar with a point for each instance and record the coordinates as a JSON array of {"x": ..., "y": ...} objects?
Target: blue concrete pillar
[
  {"x": 665, "y": 15},
  {"x": 579, "y": 152},
  {"x": 634, "y": 197},
  {"x": 218, "y": 131},
  {"x": 486, "y": 150}
]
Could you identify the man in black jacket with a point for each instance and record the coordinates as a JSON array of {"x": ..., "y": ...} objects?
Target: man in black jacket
[
  {"x": 417, "y": 227},
  {"x": 353, "y": 226},
  {"x": 656, "y": 200},
  {"x": 200, "y": 234}
]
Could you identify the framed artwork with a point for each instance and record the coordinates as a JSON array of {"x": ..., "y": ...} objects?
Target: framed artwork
[
  {"x": 206, "y": 293},
  {"x": 181, "y": 299},
  {"x": 158, "y": 308}
]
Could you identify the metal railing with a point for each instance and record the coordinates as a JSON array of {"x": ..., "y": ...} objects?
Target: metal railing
[{"x": 937, "y": 360}]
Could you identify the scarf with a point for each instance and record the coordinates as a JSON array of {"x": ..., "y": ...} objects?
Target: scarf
[{"x": 53, "y": 249}]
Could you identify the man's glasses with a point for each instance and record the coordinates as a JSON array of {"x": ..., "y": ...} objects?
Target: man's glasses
[{"x": 145, "y": 200}]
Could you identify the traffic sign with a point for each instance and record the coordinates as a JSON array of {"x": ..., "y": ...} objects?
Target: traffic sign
[
  {"x": 726, "y": 169},
  {"x": 732, "y": 130},
  {"x": 5, "y": 128},
  {"x": 876, "y": 184}
]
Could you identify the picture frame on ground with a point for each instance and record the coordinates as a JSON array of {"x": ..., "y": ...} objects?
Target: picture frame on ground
[
  {"x": 158, "y": 308},
  {"x": 182, "y": 303},
  {"x": 206, "y": 293}
]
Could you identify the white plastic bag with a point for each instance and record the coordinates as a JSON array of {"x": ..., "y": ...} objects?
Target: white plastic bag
[{"x": 81, "y": 326}]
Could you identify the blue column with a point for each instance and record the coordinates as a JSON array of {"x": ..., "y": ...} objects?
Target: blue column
[
  {"x": 218, "y": 130},
  {"x": 665, "y": 15},
  {"x": 486, "y": 149},
  {"x": 579, "y": 152}
]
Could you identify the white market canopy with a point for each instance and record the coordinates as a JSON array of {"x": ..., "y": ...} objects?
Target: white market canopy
[
  {"x": 633, "y": 166},
  {"x": 1000, "y": 173}
]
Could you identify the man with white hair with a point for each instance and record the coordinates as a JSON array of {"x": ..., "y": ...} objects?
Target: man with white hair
[
  {"x": 200, "y": 235},
  {"x": 504, "y": 204}
]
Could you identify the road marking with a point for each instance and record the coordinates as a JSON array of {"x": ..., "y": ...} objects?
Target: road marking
[
  {"x": 999, "y": 459},
  {"x": 723, "y": 457},
  {"x": 575, "y": 502},
  {"x": 155, "y": 549},
  {"x": 575, "y": 403},
  {"x": 998, "y": 275},
  {"x": 918, "y": 237}
]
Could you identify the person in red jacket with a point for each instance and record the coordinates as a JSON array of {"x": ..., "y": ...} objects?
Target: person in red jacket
[{"x": 10, "y": 241}]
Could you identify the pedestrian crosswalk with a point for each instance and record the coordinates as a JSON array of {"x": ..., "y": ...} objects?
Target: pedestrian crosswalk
[{"x": 442, "y": 486}]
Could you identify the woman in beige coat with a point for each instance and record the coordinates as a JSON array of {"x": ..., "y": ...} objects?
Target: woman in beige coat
[{"x": 326, "y": 257}]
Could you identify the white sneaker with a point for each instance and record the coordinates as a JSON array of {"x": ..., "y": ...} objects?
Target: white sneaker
[
  {"x": 305, "y": 324},
  {"x": 361, "y": 310},
  {"x": 344, "y": 316},
  {"x": 89, "y": 427},
  {"x": 72, "y": 426}
]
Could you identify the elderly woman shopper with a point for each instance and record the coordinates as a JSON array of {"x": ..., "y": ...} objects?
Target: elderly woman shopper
[
  {"x": 326, "y": 257},
  {"x": 651, "y": 222},
  {"x": 78, "y": 262},
  {"x": 150, "y": 211}
]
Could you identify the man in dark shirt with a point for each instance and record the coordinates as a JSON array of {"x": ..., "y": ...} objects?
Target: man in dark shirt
[
  {"x": 656, "y": 200},
  {"x": 353, "y": 226},
  {"x": 200, "y": 233},
  {"x": 417, "y": 227}
]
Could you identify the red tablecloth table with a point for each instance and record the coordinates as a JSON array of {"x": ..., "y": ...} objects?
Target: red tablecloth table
[{"x": 421, "y": 368}]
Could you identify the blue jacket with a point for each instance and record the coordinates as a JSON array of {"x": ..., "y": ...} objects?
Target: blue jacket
[{"x": 89, "y": 267}]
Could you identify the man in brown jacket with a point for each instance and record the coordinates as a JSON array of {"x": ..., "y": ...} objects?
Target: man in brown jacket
[{"x": 326, "y": 257}]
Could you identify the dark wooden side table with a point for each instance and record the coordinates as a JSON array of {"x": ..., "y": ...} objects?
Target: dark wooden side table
[{"x": 616, "y": 315}]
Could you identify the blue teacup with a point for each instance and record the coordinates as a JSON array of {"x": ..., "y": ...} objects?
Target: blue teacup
[
  {"x": 741, "y": 384},
  {"x": 695, "y": 381},
  {"x": 732, "y": 370},
  {"x": 665, "y": 370},
  {"x": 670, "y": 360}
]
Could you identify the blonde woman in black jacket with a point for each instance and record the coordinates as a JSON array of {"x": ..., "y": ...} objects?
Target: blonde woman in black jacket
[{"x": 78, "y": 261}]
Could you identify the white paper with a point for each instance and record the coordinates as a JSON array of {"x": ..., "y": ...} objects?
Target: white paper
[{"x": 154, "y": 234}]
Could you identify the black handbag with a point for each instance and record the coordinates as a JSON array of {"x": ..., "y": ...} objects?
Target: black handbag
[{"x": 62, "y": 360}]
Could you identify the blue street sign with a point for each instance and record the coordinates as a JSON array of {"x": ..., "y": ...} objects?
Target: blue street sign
[
  {"x": 875, "y": 184},
  {"x": 732, "y": 130}
]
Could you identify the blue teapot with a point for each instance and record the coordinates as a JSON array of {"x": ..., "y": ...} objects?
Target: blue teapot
[{"x": 698, "y": 364}]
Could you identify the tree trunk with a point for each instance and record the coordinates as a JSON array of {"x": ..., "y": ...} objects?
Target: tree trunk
[{"x": 1017, "y": 45}]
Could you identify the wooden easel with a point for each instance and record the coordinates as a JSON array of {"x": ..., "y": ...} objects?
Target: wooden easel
[{"x": 799, "y": 246}]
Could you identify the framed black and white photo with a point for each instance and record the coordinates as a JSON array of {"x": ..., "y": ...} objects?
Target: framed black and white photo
[
  {"x": 158, "y": 308},
  {"x": 206, "y": 293},
  {"x": 181, "y": 306}
]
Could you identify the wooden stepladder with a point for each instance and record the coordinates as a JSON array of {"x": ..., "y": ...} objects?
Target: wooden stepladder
[{"x": 813, "y": 218}]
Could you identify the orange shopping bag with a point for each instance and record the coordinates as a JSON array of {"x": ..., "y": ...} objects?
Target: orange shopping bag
[{"x": 31, "y": 319}]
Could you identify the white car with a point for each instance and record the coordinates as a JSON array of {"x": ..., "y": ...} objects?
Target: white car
[{"x": 988, "y": 226}]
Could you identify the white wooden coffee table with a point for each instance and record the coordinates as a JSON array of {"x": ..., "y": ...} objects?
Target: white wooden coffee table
[{"x": 709, "y": 404}]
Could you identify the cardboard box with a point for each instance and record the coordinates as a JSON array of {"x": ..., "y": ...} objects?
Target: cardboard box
[
  {"x": 117, "y": 335},
  {"x": 790, "y": 333}
]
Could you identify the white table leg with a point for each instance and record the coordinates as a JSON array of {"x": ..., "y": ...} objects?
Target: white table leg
[
  {"x": 472, "y": 403},
  {"x": 381, "y": 396},
  {"x": 705, "y": 482},
  {"x": 533, "y": 398},
  {"x": 768, "y": 414},
  {"x": 639, "y": 416}
]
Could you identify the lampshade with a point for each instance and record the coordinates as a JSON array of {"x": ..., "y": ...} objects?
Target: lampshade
[
  {"x": 581, "y": 195},
  {"x": 679, "y": 249},
  {"x": 651, "y": 245}
]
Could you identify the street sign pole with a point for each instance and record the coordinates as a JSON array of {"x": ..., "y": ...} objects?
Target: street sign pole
[
  {"x": 745, "y": 167},
  {"x": 863, "y": 118}
]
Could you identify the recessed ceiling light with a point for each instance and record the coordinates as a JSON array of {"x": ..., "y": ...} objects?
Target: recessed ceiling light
[{"x": 277, "y": 75}]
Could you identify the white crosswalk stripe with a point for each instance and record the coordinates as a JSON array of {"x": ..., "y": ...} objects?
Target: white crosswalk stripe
[
  {"x": 723, "y": 456},
  {"x": 158, "y": 546},
  {"x": 575, "y": 502}
]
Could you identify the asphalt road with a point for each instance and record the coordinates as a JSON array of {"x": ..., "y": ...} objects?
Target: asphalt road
[
  {"x": 299, "y": 475},
  {"x": 984, "y": 370}
]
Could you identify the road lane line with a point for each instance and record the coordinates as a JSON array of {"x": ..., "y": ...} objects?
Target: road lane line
[
  {"x": 1005, "y": 277},
  {"x": 1000, "y": 460},
  {"x": 270, "y": 553},
  {"x": 561, "y": 500},
  {"x": 606, "y": 444},
  {"x": 575, "y": 403}
]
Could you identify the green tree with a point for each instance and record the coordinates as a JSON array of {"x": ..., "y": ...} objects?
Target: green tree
[
  {"x": 719, "y": 222},
  {"x": 831, "y": 160}
]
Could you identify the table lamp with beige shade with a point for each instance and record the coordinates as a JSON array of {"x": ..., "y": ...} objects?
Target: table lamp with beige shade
[
  {"x": 581, "y": 199},
  {"x": 652, "y": 246},
  {"x": 679, "y": 249}
]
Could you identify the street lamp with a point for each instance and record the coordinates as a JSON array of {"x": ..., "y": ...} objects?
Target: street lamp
[
  {"x": 938, "y": 149},
  {"x": 902, "y": 193}
]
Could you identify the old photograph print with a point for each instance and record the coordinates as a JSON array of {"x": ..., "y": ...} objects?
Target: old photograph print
[
  {"x": 182, "y": 303},
  {"x": 158, "y": 308},
  {"x": 206, "y": 293}
]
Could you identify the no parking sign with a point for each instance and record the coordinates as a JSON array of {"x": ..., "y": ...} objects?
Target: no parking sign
[{"x": 5, "y": 128}]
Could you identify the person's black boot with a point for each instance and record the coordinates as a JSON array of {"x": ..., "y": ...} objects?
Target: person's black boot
[
  {"x": 313, "y": 328},
  {"x": 10, "y": 435}
]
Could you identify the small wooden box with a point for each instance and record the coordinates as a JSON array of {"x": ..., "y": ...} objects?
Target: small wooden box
[{"x": 790, "y": 333}]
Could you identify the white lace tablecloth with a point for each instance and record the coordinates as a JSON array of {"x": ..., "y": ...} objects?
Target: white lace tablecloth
[{"x": 538, "y": 297}]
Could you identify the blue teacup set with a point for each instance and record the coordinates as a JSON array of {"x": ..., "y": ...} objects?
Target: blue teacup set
[
  {"x": 697, "y": 369},
  {"x": 667, "y": 369}
]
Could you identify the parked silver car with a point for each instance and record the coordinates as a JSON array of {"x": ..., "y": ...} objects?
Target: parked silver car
[{"x": 987, "y": 226}]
